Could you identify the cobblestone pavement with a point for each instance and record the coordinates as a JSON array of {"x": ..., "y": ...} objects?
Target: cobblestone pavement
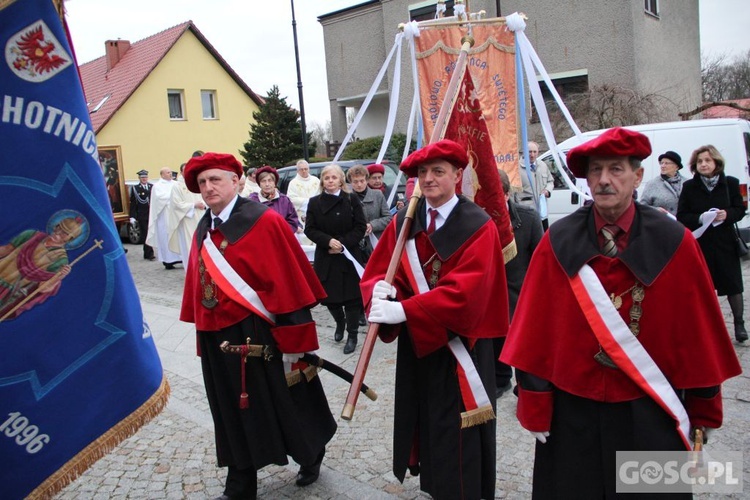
[{"x": 173, "y": 456}]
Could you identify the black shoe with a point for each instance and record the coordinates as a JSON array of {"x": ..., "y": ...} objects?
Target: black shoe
[
  {"x": 362, "y": 320},
  {"x": 168, "y": 266},
  {"x": 499, "y": 391},
  {"x": 338, "y": 335},
  {"x": 351, "y": 344},
  {"x": 740, "y": 334},
  {"x": 308, "y": 474}
]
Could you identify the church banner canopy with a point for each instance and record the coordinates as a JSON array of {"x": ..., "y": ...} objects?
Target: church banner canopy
[{"x": 491, "y": 62}]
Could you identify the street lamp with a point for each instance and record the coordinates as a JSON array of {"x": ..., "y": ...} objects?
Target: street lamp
[{"x": 299, "y": 88}]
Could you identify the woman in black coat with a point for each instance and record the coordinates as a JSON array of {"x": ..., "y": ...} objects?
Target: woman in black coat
[
  {"x": 710, "y": 189},
  {"x": 336, "y": 220}
]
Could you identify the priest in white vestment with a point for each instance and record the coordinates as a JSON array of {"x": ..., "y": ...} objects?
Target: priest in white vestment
[
  {"x": 158, "y": 235},
  {"x": 185, "y": 210}
]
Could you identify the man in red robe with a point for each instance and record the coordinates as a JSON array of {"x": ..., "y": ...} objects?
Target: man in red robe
[
  {"x": 584, "y": 402},
  {"x": 269, "y": 406},
  {"x": 447, "y": 302}
]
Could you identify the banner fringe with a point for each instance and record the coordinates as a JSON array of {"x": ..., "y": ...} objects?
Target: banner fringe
[
  {"x": 104, "y": 444},
  {"x": 477, "y": 416},
  {"x": 440, "y": 45}
]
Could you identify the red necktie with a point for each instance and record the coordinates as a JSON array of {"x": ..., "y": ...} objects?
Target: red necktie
[{"x": 433, "y": 216}]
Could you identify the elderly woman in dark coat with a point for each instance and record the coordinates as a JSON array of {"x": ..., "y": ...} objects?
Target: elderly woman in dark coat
[
  {"x": 710, "y": 189},
  {"x": 335, "y": 220}
]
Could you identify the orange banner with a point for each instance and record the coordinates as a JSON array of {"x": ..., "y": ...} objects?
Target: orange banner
[{"x": 491, "y": 62}]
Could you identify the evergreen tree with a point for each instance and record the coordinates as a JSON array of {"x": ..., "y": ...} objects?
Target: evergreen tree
[{"x": 275, "y": 135}]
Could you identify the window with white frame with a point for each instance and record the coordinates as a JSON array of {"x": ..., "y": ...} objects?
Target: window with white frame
[
  {"x": 208, "y": 102},
  {"x": 176, "y": 100},
  {"x": 651, "y": 7}
]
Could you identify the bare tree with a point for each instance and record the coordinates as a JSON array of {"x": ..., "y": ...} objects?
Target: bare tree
[
  {"x": 725, "y": 78},
  {"x": 605, "y": 106},
  {"x": 321, "y": 134}
]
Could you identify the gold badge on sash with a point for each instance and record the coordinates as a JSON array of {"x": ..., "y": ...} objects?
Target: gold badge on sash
[{"x": 638, "y": 293}]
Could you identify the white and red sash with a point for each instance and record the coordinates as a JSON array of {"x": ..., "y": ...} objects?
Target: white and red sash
[
  {"x": 231, "y": 283},
  {"x": 624, "y": 348},
  {"x": 476, "y": 402}
]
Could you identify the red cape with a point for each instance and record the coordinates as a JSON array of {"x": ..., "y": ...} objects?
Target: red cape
[
  {"x": 470, "y": 299},
  {"x": 270, "y": 259},
  {"x": 682, "y": 326}
]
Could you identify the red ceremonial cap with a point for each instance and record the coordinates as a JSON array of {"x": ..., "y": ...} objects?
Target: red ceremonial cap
[
  {"x": 270, "y": 170},
  {"x": 376, "y": 168},
  {"x": 198, "y": 164},
  {"x": 616, "y": 141},
  {"x": 447, "y": 150}
]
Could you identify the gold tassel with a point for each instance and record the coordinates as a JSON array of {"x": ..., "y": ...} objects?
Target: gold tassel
[
  {"x": 477, "y": 416},
  {"x": 104, "y": 444}
]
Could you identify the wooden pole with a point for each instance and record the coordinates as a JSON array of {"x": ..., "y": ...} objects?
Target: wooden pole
[{"x": 437, "y": 133}]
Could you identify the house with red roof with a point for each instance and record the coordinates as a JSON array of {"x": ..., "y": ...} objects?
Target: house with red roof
[{"x": 156, "y": 101}]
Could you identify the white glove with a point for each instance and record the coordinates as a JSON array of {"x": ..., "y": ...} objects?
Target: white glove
[
  {"x": 132, "y": 220},
  {"x": 540, "y": 436},
  {"x": 383, "y": 290},
  {"x": 291, "y": 357},
  {"x": 386, "y": 312}
]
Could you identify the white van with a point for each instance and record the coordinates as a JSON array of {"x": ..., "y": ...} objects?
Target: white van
[{"x": 731, "y": 136}]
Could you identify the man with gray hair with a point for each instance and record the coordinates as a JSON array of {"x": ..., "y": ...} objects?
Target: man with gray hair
[
  {"x": 544, "y": 183},
  {"x": 303, "y": 187},
  {"x": 610, "y": 368}
]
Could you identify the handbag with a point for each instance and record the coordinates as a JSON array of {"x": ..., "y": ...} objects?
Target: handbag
[
  {"x": 739, "y": 243},
  {"x": 742, "y": 246}
]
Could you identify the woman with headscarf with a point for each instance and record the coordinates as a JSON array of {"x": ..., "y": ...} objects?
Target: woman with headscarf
[
  {"x": 335, "y": 223},
  {"x": 711, "y": 192},
  {"x": 268, "y": 179},
  {"x": 663, "y": 192}
]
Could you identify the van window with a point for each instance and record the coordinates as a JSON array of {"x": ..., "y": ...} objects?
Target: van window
[
  {"x": 555, "y": 171},
  {"x": 746, "y": 137}
]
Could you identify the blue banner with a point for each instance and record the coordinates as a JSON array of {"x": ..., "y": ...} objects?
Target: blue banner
[{"x": 79, "y": 371}]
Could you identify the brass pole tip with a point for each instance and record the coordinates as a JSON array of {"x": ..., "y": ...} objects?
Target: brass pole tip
[
  {"x": 348, "y": 411},
  {"x": 469, "y": 39},
  {"x": 372, "y": 395}
]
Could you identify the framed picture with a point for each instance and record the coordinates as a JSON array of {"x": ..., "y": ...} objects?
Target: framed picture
[{"x": 110, "y": 159}]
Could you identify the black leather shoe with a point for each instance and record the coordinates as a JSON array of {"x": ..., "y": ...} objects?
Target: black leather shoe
[
  {"x": 351, "y": 344},
  {"x": 499, "y": 391},
  {"x": 338, "y": 335},
  {"x": 362, "y": 320},
  {"x": 740, "y": 334},
  {"x": 308, "y": 474}
]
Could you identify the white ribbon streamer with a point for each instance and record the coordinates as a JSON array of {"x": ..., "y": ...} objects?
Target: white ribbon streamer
[
  {"x": 515, "y": 23},
  {"x": 368, "y": 99},
  {"x": 357, "y": 266},
  {"x": 707, "y": 219}
]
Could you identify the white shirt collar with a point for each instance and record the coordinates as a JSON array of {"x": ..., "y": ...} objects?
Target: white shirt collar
[
  {"x": 444, "y": 211},
  {"x": 224, "y": 215}
]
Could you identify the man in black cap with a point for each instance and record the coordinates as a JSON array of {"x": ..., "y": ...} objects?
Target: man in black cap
[{"x": 140, "y": 202}]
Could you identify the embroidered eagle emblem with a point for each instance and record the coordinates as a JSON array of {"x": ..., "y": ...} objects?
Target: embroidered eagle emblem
[{"x": 35, "y": 54}]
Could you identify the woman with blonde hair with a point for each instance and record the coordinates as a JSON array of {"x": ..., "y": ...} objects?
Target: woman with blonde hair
[
  {"x": 335, "y": 222},
  {"x": 710, "y": 192}
]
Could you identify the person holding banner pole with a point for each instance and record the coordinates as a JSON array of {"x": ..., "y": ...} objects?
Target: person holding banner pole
[
  {"x": 265, "y": 402},
  {"x": 608, "y": 369},
  {"x": 336, "y": 224},
  {"x": 446, "y": 304}
]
